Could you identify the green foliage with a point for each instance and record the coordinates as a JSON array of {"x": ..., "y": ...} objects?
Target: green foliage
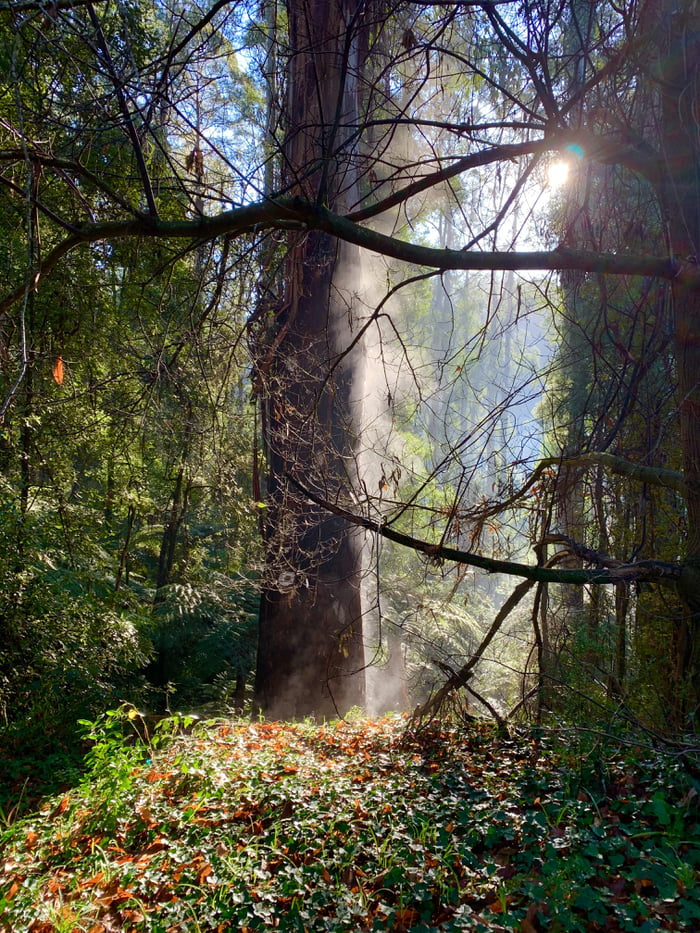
[
  {"x": 68, "y": 648},
  {"x": 117, "y": 748},
  {"x": 253, "y": 827},
  {"x": 131, "y": 474},
  {"x": 205, "y": 636}
]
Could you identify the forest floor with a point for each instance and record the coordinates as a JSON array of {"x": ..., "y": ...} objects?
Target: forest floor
[{"x": 358, "y": 826}]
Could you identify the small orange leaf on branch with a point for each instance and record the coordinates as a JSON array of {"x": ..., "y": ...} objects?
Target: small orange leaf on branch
[{"x": 58, "y": 371}]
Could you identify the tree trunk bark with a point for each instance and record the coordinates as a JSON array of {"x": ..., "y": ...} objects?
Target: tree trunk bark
[
  {"x": 310, "y": 650},
  {"x": 679, "y": 81}
]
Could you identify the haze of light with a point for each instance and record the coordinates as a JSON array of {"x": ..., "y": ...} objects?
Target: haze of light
[{"x": 557, "y": 174}]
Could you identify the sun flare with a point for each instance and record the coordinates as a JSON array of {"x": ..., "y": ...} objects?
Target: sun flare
[{"x": 557, "y": 174}]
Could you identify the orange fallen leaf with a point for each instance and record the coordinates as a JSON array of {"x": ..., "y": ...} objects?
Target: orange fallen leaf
[
  {"x": 60, "y": 808},
  {"x": 91, "y": 882}
]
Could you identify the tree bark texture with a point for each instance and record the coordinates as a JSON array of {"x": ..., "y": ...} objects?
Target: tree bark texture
[
  {"x": 679, "y": 81},
  {"x": 310, "y": 656}
]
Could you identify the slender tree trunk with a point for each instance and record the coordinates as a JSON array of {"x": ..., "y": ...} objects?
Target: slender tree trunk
[
  {"x": 159, "y": 668},
  {"x": 310, "y": 654},
  {"x": 123, "y": 570},
  {"x": 619, "y": 673},
  {"x": 177, "y": 509}
]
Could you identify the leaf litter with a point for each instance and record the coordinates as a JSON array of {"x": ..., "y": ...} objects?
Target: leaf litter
[{"x": 358, "y": 826}]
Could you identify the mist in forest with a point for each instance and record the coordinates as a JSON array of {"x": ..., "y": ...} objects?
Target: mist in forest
[
  {"x": 373, "y": 476},
  {"x": 447, "y": 377}
]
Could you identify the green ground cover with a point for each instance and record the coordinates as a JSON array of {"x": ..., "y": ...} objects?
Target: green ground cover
[{"x": 358, "y": 826}]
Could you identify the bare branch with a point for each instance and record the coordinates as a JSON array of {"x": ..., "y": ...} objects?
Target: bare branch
[
  {"x": 642, "y": 161},
  {"x": 646, "y": 570},
  {"x": 459, "y": 678},
  {"x": 124, "y": 107},
  {"x": 38, "y": 157},
  {"x": 654, "y": 476}
]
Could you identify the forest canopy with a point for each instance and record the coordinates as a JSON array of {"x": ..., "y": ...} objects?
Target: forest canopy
[{"x": 348, "y": 346}]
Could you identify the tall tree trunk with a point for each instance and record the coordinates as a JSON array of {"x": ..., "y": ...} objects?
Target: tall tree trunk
[
  {"x": 310, "y": 655},
  {"x": 679, "y": 81}
]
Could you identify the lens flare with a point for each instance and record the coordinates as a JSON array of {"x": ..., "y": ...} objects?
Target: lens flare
[{"x": 557, "y": 174}]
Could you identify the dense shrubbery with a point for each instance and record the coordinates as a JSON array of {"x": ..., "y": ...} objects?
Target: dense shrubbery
[{"x": 75, "y": 644}]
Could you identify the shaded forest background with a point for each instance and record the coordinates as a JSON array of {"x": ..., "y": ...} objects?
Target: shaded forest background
[{"x": 300, "y": 337}]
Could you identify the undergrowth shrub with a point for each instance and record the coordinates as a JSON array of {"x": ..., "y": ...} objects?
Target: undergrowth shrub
[{"x": 204, "y": 636}]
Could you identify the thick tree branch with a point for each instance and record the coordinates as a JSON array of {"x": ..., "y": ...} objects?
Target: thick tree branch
[
  {"x": 647, "y": 570},
  {"x": 579, "y": 550},
  {"x": 233, "y": 223},
  {"x": 295, "y": 213},
  {"x": 559, "y": 259},
  {"x": 654, "y": 476}
]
